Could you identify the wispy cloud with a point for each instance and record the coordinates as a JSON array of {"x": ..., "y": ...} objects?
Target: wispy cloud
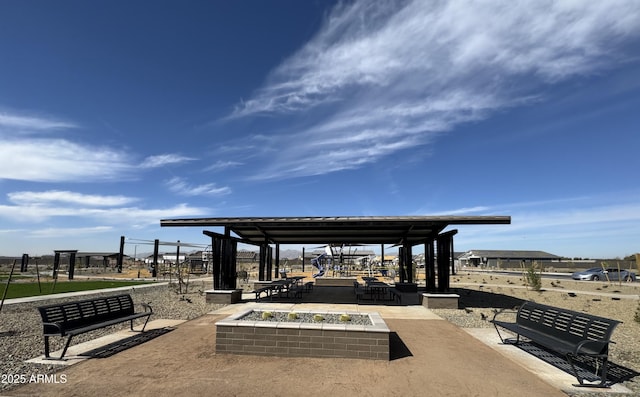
[
  {"x": 58, "y": 160},
  {"x": 55, "y": 159},
  {"x": 69, "y": 232},
  {"x": 69, "y": 198},
  {"x": 222, "y": 165},
  {"x": 117, "y": 215},
  {"x": 164, "y": 159},
  {"x": 180, "y": 186},
  {"x": 12, "y": 122},
  {"x": 461, "y": 211},
  {"x": 33, "y": 153},
  {"x": 380, "y": 77}
]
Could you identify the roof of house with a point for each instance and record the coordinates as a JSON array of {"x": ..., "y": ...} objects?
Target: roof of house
[
  {"x": 246, "y": 254},
  {"x": 507, "y": 254},
  {"x": 353, "y": 252}
]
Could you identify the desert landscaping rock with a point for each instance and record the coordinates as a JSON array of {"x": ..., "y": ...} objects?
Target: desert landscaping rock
[{"x": 21, "y": 326}]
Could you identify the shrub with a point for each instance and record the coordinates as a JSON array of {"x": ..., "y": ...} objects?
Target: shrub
[
  {"x": 637, "y": 316},
  {"x": 533, "y": 276}
]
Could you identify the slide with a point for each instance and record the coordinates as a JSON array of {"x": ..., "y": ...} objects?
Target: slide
[{"x": 317, "y": 262}]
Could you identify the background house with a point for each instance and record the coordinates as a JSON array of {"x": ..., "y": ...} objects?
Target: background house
[{"x": 504, "y": 258}]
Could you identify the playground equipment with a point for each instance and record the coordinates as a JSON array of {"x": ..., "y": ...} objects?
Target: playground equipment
[
  {"x": 322, "y": 261},
  {"x": 317, "y": 262}
]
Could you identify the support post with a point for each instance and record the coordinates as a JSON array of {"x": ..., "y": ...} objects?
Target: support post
[
  {"x": 262, "y": 262},
  {"x": 444, "y": 242},
  {"x": 121, "y": 254},
  {"x": 56, "y": 265},
  {"x": 72, "y": 264},
  {"x": 429, "y": 265},
  {"x": 228, "y": 265},
  {"x": 382, "y": 261},
  {"x": 269, "y": 263},
  {"x": 277, "y": 267},
  {"x": 402, "y": 273},
  {"x": 453, "y": 260},
  {"x": 216, "y": 261},
  {"x": 156, "y": 245},
  {"x": 24, "y": 263},
  {"x": 408, "y": 263},
  {"x": 178, "y": 262},
  {"x": 303, "y": 259}
]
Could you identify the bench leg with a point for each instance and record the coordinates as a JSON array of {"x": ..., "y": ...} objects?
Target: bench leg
[
  {"x": 503, "y": 340},
  {"x": 143, "y": 326},
  {"x": 499, "y": 334},
  {"x": 46, "y": 347},
  {"x": 47, "y": 355},
  {"x": 603, "y": 375},
  {"x": 66, "y": 346}
]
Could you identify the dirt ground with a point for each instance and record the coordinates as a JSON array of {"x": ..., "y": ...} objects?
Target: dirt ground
[{"x": 433, "y": 358}]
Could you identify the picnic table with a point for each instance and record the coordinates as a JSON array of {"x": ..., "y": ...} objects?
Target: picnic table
[
  {"x": 378, "y": 290},
  {"x": 281, "y": 288}
]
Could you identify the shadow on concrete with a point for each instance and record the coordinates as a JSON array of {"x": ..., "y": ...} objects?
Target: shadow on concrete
[
  {"x": 486, "y": 299},
  {"x": 587, "y": 367},
  {"x": 342, "y": 295},
  {"x": 124, "y": 344},
  {"x": 397, "y": 348}
]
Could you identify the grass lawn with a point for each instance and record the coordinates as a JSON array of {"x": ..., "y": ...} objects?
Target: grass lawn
[{"x": 21, "y": 290}]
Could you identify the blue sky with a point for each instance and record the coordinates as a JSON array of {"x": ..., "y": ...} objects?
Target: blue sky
[{"x": 114, "y": 115}]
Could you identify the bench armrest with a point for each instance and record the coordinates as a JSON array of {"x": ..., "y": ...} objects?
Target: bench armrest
[
  {"x": 598, "y": 344},
  {"x": 147, "y": 307},
  {"x": 502, "y": 311},
  {"x": 56, "y": 325}
]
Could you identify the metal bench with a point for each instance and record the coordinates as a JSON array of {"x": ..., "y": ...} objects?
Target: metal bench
[
  {"x": 75, "y": 318},
  {"x": 567, "y": 332}
]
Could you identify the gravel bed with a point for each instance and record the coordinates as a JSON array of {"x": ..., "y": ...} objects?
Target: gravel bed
[
  {"x": 309, "y": 318},
  {"x": 21, "y": 326}
]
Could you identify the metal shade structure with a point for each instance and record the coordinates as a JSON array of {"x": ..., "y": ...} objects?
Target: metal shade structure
[
  {"x": 348, "y": 230},
  {"x": 403, "y": 231}
]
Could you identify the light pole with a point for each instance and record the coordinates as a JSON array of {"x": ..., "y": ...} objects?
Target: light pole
[{"x": 135, "y": 258}]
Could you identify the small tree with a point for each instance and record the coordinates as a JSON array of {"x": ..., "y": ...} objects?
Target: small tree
[{"x": 533, "y": 276}]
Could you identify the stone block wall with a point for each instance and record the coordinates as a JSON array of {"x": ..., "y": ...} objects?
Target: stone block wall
[
  {"x": 297, "y": 342},
  {"x": 335, "y": 282},
  {"x": 223, "y": 296}
]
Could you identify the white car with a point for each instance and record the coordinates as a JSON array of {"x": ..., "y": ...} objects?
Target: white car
[{"x": 598, "y": 273}]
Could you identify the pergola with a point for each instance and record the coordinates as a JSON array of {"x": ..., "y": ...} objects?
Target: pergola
[
  {"x": 72, "y": 259},
  {"x": 402, "y": 231}
]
